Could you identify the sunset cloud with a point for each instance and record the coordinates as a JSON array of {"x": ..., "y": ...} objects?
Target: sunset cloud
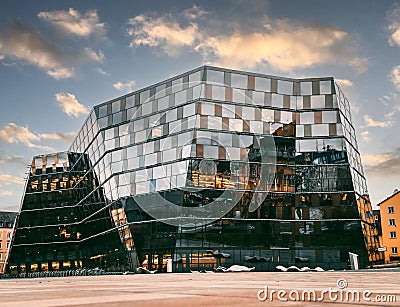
[
  {"x": 387, "y": 163},
  {"x": 395, "y": 76},
  {"x": 12, "y": 133},
  {"x": 126, "y": 86},
  {"x": 70, "y": 105},
  {"x": 74, "y": 22},
  {"x": 344, "y": 82},
  {"x": 369, "y": 122},
  {"x": 365, "y": 136},
  {"x": 7, "y": 159},
  {"x": 394, "y": 26},
  {"x": 58, "y": 136},
  {"x": 24, "y": 43},
  {"x": 6, "y": 179},
  {"x": 282, "y": 44},
  {"x": 359, "y": 64}
]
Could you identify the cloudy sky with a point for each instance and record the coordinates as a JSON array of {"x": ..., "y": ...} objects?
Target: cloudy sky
[{"x": 60, "y": 58}]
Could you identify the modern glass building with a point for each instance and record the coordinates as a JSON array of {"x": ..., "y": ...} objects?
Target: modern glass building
[{"x": 211, "y": 167}]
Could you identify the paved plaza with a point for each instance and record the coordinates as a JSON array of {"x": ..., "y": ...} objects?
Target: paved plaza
[{"x": 205, "y": 289}]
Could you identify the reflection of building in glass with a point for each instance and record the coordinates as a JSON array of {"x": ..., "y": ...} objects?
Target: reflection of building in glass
[
  {"x": 218, "y": 167},
  {"x": 7, "y": 220},
  {"x": 389, "y": 219}
]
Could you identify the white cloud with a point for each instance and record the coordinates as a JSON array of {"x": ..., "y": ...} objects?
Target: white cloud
[
  {"x": 162, "y": 33},
  {"x": 394, "y": 26},
  {"x": 359, "y": 64},
  {"x": 282, "y": 44},
  {"x": 284, "y": 47},
  {"x": 371, "y": 160},
  {"x": 74, "y": 22},
  {"x": 194, "y": 12},
  {"x": 70, "y": 105},
  {"x": 101, "y": 71},
  {"x": 14, "y": 134},
  {"x": 126, "y": 86},
  {"x": 58, "y": 136},
  {"x": 365, "y": 136},
  {"x": 22, "y": 42},
  {"x": 6, "y": 179},
  {"x": 395, "y": 76},
  {"x": 96, "y": 57},
  {"x": 11, "y": 133},
  {"x": 386, "y": 99},
  {"x": 61, "y": 73},
  {"x": 344, "y": 82},
  {"x": 6, "y": 159},
  {"x": 369, "y": 122},
  {"x": 387, "y": 164}
]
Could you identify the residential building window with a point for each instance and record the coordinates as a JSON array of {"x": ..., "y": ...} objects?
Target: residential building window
[
  {"x": 1, "y": 245},
  {"x": 392, "y": 222},
  {"x": 393, "y": 235},
  {"x": 8, "y": 235},
  {"x": 394, "y": 250},
  {"x": 8, "y": 244},
  {"x": 1, "y": 255},
  {"x": 390, "y": 209}
]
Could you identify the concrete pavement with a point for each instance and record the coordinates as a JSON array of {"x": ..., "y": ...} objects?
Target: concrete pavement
[{"x": 205, "y": 289}]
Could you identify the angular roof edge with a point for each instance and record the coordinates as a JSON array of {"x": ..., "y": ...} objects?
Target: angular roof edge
[
  {"x": 212, "y": 68},
  {"x": 387, "y": 198}
]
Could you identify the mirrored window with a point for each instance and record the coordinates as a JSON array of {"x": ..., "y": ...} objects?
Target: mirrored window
[
  {"x": 177, "y": 85},
  {"x": 268, "y": 115},
  {"x": 325, "y": 87},
  {"x": 306, "y": 88},
  {"x": 329, "y": 116},
  {"x": 263, "y": 84},
  {"x": 239, "y": 95},
  {"x": 144, "y": 96},
  {"x": 239, "y": 81},
  {"x": 228, "y": 110},
  {"x": 277, "y": 101},
  {"x": 161, "y": 91},
  {"x": 180, "y": 97},
  {"x": 218, "y": 92},
  {"x": 214, "y": 76},
  {"x": 248, "y": 113},
  {"x": 285, "y": 87},
  {"x": 195, "y": 77},
  {"x": 103, "y": 111},
  {"x": 317, "y": 101},
  {"x": 320, "y": 130}
]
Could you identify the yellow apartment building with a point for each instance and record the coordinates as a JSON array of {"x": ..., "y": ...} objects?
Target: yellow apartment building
[{"x": 390, "y": 223}]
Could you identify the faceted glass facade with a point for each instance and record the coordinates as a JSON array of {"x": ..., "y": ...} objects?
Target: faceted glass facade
[
  {"x": 219, "y": 167},
  {"x": 59, "y": 225}
]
